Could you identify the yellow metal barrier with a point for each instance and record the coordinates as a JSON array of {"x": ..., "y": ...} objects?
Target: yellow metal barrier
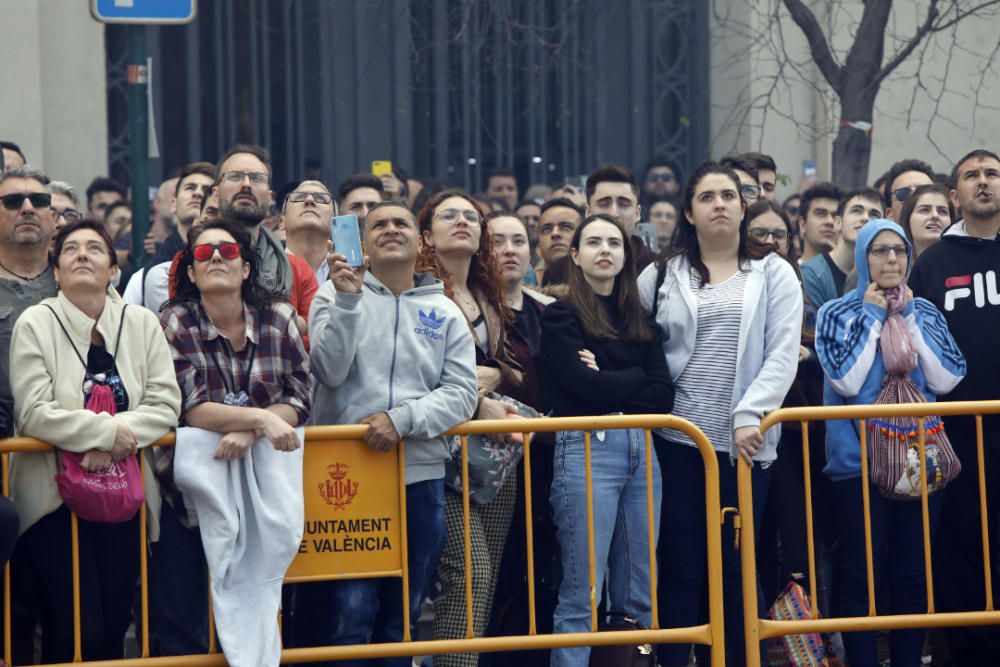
[
  {"x": 757, "y": 629},
  {"x": 711, "y": 634}
]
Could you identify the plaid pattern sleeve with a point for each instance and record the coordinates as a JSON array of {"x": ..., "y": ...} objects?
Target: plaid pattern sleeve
[
  {"x": 274, "y": 368},
  {"x": 281, "y": 366}
]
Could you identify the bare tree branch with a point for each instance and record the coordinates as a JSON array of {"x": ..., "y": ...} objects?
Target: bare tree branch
[
  {"x": 959, "y": 15},
  {"x": 904, "y": 53},
  {"x": 818, "y": 45}
]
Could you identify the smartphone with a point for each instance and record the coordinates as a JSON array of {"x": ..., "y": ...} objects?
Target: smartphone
[
  {"x": 347, "y": 238},
  {"x": 808, "y": 168},
  {"x": 381, "y": 167}
]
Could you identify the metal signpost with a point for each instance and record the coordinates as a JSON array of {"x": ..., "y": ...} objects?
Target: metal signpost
[{"x": 137, "y": 14}]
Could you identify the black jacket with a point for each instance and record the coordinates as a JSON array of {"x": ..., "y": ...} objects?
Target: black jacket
[
  {"x": 961, "y": 276},
  {"x": 632, "y": 379}
]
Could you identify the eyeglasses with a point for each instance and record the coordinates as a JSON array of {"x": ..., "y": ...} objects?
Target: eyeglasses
[
  {"x": 666, "y": 178},
  {"x": 902, "y": 194},
  {"x": 792, "y": 211},
  {"x": 14, "y": 201},
  {"x": 205, "y": 251},
  {"x": 750, "y": 191},
  {"x": 71, "y": 214},
  {"x": 883, "y": 250},
  {"x": 450, "y": 216},
  {"x": 256, "y": 177},
  {"x": 318, "y": 197},
  {"x": 761, "y": 234}
]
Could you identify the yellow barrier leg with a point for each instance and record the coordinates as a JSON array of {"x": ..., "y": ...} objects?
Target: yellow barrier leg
[
  {"x": 77, "y": 633},
  {"x": 810, "y": 545},
  {"x": 143, "y": 566},
  {"x": 650, "y": 518},
  {"x": 529, "y": 534},
  {"x": 984, "y": 520},
  {"x": 866, "y": 511},
  {"x": 405, "y": 558},
  {"x": 748, "y": 564},
  {"x": 8, "y": 651},
  {"x": 467, "y": 524},
  {"x": 925, "y": 512}
]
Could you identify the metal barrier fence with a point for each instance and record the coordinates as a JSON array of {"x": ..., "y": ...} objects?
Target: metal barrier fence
[
  {"x": 710, "y": 634},
  {"x": 757, "y": 629}
]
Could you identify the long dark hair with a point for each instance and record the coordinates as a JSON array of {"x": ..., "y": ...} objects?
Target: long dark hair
[
  {"x": 484, "y": 271},
  {"x": 184, "y": 289},
  {"x": 625, "y": 293},
  {"x": 687, "y": 236},
  {"x": 911, "y": 204}
]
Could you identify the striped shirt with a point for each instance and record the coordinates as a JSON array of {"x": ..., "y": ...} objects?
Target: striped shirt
[{"x": 704, "y": 389}]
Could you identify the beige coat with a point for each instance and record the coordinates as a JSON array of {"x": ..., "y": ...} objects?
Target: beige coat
[{"x": 46, "y": 378}]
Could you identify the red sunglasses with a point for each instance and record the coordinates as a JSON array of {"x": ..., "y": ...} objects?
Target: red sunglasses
[{"x": 204, "y": 251}]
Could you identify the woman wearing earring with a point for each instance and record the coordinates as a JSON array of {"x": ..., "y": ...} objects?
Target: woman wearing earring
[
  {"x": 457, "y": 249},
  {"x": 602, "y": 354},
  {"x": 93, "y": 377}
]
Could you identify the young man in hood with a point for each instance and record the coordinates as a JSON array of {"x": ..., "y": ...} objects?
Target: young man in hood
[
  {"x": 390, "y": 350},
  {"x": 960, "y": 275}
]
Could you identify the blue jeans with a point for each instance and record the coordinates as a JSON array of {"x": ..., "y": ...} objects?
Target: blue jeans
[
  {"x": 897, "y": 564},
  {"x": 359, "y": 611},
  {"x": 621, "y": 535}
]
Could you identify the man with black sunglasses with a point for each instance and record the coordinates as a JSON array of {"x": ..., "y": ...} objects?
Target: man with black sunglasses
[
  {"x": 26, "y": 276},
  {"x": 903, "y": 178},
  {"x": 26, "y": 227}
]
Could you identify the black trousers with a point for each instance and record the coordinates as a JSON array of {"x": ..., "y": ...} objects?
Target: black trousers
[
  {"x": 109, "y": 570},
  {"x": 958, "y": 549}
]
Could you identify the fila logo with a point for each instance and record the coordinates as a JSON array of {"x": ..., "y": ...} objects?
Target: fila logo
[{"x": 983, "y": 288}]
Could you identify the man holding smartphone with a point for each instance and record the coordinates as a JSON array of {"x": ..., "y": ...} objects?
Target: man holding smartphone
[{"x": 424, "y": 363}]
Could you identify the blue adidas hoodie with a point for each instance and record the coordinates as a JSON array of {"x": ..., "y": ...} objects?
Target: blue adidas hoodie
[{"x": 847, "y": 343}]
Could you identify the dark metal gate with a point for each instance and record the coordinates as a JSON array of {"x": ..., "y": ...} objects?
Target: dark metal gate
[{"x": 444, "y": 88}]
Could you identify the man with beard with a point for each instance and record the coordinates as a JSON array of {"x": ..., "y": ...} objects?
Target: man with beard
[
  {"x": 243, "y": 180},
  {"x": 26, "y": 227},
  {"x": 26, "y": 277},
  {"x": 959, "y": 275}
]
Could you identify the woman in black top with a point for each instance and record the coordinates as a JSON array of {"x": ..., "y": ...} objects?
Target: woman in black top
[{"x": 601, "y": 355}]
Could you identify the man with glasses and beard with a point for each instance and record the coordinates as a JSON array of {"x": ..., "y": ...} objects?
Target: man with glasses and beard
[{"x": 242, "y": 181}]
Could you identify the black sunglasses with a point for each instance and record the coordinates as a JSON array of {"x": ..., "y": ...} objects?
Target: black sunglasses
[{"x": 14, "y": 202}]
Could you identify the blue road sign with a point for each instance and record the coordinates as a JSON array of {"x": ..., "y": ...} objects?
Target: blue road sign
[{"x": 144, "y": 11}]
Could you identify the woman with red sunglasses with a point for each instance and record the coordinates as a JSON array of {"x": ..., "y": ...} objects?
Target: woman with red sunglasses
[{"x": 244, "y": 374}]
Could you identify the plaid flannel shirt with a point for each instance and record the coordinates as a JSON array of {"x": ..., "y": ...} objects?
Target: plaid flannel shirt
[{"x": 208, "y": 368}]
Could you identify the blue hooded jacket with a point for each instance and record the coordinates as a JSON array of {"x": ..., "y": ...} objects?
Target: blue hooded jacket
[{"x": 847, "y": 344}]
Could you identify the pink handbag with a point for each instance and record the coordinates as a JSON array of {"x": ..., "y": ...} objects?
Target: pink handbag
[{"x": 112, "y": 495}]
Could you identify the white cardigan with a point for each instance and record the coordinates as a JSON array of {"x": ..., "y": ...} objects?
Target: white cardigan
[
  {"x": 46, "y": 378},
  {"x": 767, "y": 352}
]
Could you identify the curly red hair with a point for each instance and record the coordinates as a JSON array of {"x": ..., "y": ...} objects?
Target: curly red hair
[{"x": 484, "y": 272}]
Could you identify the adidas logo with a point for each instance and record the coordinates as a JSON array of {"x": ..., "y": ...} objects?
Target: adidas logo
[
  {"x": 431, "y": 324},
  {"x": 431, "y": 320}
]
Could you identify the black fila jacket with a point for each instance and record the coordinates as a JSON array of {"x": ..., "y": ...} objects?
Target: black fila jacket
[{"x": 960, "y": 275}]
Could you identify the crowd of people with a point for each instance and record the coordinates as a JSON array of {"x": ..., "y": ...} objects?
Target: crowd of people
[{"x": 704, "y": 298}]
